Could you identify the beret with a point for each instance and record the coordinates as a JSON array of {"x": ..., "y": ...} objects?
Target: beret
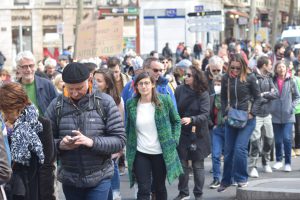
[
  {"x": 137, "y": 63},
  {"x": 75, "y": 73},
  {"x": 185, "y": 63}
]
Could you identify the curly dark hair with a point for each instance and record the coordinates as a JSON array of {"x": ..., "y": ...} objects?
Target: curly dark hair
[{"x": 200, "y": 83}]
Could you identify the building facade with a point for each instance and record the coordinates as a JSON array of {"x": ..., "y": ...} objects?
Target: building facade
[
  {"x": 47, "y": 26},
  {"x": 167, "y": 21}
]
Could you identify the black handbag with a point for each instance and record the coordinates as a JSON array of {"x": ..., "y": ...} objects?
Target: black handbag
[{"x": 235, "y": 118}]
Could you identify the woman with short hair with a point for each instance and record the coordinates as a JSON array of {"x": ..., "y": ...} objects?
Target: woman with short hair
[{"x": 32, "y": 148}]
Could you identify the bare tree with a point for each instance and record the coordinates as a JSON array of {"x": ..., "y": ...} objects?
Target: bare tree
[
  {"x": 291, "y": 11},
  {"x": 275, "y": 23},
  {"x": 251, "y": 20}
]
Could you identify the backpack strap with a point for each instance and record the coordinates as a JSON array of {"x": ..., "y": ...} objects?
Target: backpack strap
[
  {"x": 58, "y": 108},
  {"x": 99, "y": 108}
]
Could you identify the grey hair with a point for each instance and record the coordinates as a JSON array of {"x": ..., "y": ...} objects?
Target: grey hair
[
  {"x": 148, "y": 61},
  {"x": 50, "y": 62},
  {"x": 24, "y": 55},
  {"x": 216, "y": 60}
]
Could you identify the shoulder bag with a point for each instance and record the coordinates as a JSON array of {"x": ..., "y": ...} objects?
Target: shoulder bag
[{"x": 235, "y": 118}]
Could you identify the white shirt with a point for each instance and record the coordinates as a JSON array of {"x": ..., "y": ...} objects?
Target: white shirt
[{"x": 147, "y": 138}]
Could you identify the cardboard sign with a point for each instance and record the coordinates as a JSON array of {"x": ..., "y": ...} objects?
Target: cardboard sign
[{"x": 100, "y": 38}]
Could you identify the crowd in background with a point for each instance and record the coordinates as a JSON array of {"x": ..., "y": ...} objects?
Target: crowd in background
[{"x": 175, "y": 110}]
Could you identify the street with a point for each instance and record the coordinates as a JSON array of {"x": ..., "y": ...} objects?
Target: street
[{"x": 209, "y": 194}]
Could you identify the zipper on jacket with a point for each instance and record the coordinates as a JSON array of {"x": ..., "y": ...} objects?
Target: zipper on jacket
[{"x": 235, "y": 90}]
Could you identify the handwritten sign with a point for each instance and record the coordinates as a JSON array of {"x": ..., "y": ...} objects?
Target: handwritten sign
[{"x": 100, "y": 38}]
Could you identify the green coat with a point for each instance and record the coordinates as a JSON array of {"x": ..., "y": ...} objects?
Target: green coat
[{"x": 168, "y": 129}]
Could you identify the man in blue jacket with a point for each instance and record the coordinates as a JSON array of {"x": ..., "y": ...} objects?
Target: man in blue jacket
[{"x": 39, "y": 90}]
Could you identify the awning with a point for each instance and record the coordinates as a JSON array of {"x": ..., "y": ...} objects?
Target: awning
[
  {"x": 235, "y": 12},
  {"x": 263, "y": 11}
]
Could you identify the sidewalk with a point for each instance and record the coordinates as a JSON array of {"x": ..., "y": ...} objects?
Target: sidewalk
[{"x": 209, "y": 194}]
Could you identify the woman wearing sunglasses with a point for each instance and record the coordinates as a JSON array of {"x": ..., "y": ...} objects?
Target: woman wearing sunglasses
[
  {"x": 153, "y": 130},
  {"x": 194, "y": 144},
  {"x": 244, "y": 95}
]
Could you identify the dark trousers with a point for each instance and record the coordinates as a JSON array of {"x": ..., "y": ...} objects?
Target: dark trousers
[
  {"x": 150, "y": 167},
  {"x": 199, "y": 177},
  {"x": 297, "y": 131}
]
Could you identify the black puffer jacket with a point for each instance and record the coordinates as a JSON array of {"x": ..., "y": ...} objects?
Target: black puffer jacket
[
  {"x": 86, "y": 167},
  {"x": 268, "y": 92},
  {"x": 241, "y": 92}
]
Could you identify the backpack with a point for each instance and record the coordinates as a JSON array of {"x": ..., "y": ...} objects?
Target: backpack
[{"x": 98, "y": 106}]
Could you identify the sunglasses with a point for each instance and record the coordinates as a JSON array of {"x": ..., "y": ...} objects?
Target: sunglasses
[
  {"x": 235, "y": 68},
  {"x": 188, "y": 75},
  {"x": 157, "y": 70},
  {"x": 216, "y": 70}
]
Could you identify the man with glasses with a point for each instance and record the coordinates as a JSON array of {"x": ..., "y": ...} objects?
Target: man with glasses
[
  {"x": 39, "y": 90},
  {"x": 156, "y": 68},
  {"x": 215, "y": 66}
]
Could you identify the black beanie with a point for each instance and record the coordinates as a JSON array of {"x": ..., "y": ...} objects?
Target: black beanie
[{"x": 75, "y": 73}]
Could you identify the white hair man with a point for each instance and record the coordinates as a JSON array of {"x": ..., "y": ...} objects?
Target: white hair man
[
  {"x": 50, "y": 68},
  {"x": 39, "y": 90}
]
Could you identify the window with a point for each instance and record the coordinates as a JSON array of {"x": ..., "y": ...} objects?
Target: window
[
  {"x": 21, "y": 2},
  {"x": 87, "y": 2},
  {"x": 26, "y": 41},
  {"x": 54, "y": 2}
]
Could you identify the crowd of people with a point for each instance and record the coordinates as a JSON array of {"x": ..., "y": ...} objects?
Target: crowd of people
[{"x": 82, "y": 123}]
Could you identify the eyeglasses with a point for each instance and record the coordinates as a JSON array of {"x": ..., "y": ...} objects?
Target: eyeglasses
[
  {"x": 31, "y": 66},
  {"x": 146, "y": 83},
  {"x": 235, "y": 68},
  {"x": 189, "y": 75},
  {"x": 216, "y": 70},
  {"x": 157, "y": 70}
]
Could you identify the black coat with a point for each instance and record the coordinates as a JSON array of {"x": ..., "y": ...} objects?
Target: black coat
[
  {"x": 38, "y": 178},
  {"x": 191, "y": 104}
]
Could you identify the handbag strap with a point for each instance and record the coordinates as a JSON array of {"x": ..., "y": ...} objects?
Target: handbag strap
[
  {"x": 228, "y": 93},
  {"x": 228, "y": 97}
]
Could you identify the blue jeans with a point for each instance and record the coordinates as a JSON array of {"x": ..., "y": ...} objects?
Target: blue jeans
[
  {"x": 218, "y": 135},
  {"x": 236, "y": 152},
  {"x": 115, "y": 181},
  {"x": 283, "y": 136},
  {"x": 98, "y": 192}
]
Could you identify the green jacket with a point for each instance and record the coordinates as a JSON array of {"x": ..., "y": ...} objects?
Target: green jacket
[
  {"x": 168, "y": 129},
  {"x": 297, "y": 80}
]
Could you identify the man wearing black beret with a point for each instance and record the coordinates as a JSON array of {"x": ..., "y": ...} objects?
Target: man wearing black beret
[{"x": 85, "y": 139}]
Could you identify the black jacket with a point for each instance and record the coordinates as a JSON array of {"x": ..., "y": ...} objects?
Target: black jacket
[
  {"x": 36, "y": 181},
  {"x": 241, "y": 93},
  {"x": 86, "y": 167},
  {"x": 268, "y": 92},
  {"x": 191, "y": 104}
]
